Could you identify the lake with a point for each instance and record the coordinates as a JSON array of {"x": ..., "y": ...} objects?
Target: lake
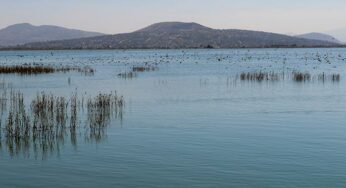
[{"x": 189, "y": 120}]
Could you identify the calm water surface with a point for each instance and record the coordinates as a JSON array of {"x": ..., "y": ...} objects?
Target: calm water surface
[{"x": 190, "y": 123}]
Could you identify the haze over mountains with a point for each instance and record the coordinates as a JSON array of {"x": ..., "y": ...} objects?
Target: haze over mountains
[
  {"x": 339, "y": 34},
  {"x": 319, "y": 36},
  {"x": 169, "y": 35},
  {"x": 26, "y": 33}
]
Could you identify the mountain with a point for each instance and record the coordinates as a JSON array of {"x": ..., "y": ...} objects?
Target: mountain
[
  {"x": 319, "y": 36},
  {"x": 181, "y": 35},
  {"x": 27, "y": 33},
  {"x": 340, "y": 34}
]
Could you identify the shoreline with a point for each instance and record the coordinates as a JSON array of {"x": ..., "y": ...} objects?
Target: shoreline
[{"x": 133, "y": 49}]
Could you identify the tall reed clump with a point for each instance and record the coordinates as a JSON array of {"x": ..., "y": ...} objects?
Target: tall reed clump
[
  {"x": 332, "y": 77},
  {"x": 259, "y": 76},
  {"x": 44, "y": 127},
  {"x": 3, "y": 101},
  {"x": 3, "y": 105},
  {"x": 101, "y": 110},
  {"x": 73, "y": 109},
  {"x": 17, "y": 126},
  {"x": 18, "y": 122},
  {"x": 335, "y": 77},
  {"x": 301, "y": 77}
]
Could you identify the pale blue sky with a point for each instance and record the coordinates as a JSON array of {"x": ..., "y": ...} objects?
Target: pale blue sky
[{"x": 117, "y": 16}]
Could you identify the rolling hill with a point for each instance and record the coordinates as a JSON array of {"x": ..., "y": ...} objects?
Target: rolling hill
[
  {"x": 26, "y": 33},
  {"x": 173, "y": 35}
]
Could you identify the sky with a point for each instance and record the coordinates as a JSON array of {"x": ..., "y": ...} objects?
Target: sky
[{"x": 120, "y": 16}]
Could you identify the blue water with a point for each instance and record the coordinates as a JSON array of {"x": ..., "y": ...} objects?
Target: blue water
[{"x": 190, "y": 123}]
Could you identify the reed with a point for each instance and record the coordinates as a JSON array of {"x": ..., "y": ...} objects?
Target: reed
[
  {"x": 102, "y": 108},
  {"x": 296, "y": 76},
  {"x": 44, "y": 127},
  {"x": 335, "y": 77},
  {"x": 3, "y": 102},
  {"x": 23, "y": 69},
  {"x": 137, "y": 69},
  {"x": 146, "y": 68},
  {"x": 331, "y": 77},
  {"x": 259, "y": 76},
  {"x": 18, "y": 121},
  {"x": 127, "y": 75},
  {"x": 87, "y": 71},
  {"x": 43, "y": 69},
  {"x": 73, "y": 109},
  {"x": 301, "y": 77}
]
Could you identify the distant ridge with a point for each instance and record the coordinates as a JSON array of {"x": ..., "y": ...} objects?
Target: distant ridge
[
  {"x": 26, "y": 33},
  {"x": 175, "y": 35},
  {"x": 319, "y": 36},
  {"x": 174, "y": 27}
]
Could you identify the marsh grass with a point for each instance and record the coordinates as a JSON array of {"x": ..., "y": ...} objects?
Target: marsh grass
[
  {"x": 332, "y": 77},
  {"x": 127, "y": 75},
  {"x": 259, "y": 76},
  {"x": 301, "y": 77},
  {"x": 296, "y": 76},
  {"x": 146, "y": 68},
  {"x": 101, "y": 110},
  {"x": 137, "y": 69},
  {"x": 44, "y": 126},
  {"x": 44, "y": 69}
]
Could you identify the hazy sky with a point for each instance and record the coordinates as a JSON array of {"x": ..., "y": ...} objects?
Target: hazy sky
[{"x": 117, "y": 16}]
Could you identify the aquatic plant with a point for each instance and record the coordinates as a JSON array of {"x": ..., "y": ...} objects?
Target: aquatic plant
[
  {"x": 143, "y": 68},
  {"x": 23, "y": 69},
  {"x": 43, "y": 69},
  {"x": 259, "y": 76},
  {"x": 301, "y": 77},
  {"x": 332, "y": 77},
  {"x": 43, "y": 126},
  {"x": 295, "y": 76},
  {"x": 135, "y": 70},
  {"x": 335, "y": 77},
  {"x": 102, "y": 108},
  {"x": 127, "y": 75}
]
